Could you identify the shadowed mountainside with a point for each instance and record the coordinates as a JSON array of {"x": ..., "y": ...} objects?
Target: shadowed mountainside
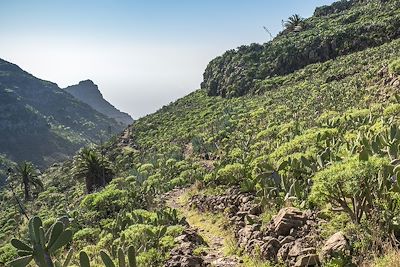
[{"x": 42, "y": 123}]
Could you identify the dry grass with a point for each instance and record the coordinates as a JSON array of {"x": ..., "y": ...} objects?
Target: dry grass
[{"x": 390, "y": 259}]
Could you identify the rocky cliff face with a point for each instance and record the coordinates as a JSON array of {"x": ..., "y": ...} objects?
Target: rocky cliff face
[{"x": 89, "y": 93}]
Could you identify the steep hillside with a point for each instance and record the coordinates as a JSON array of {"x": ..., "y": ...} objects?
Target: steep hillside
[
  {"x": 302, "y": 171},
  {"x": 42, "y": 123},
  {"x": 88, "y": 92},
  {"x": 340, "y": 29}
]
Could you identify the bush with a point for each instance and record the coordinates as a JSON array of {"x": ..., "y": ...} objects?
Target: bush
[
  {"x": 230, "y": 174},
  {"x": 392, "y": 110},
  {"x": 308, "y": 141},
  {"x": 135, "y": 234},
  {"x": 106, "y": 202},
  {"x": 394, "y": 67},
  {"x": 89, "y": 235},
  {"x": 349, "y": 180},
  {"x": 7, "y": 253},
  {"x": 335, "y": 223},
  {"x": 150, "y": 258}
]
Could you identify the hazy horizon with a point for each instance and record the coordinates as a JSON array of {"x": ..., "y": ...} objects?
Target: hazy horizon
[{"x": 142, "y": 55}]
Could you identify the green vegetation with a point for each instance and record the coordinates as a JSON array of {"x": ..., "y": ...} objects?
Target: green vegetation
[
  {"x": 28, "y": 176},
  {"x": 93, "y": 167},
  {"x": 323, "y": 136},
  {"x": 394, "y": 67},
  {"x": 355, "y": 180},
  {"x": 341, "y": 29},
  {"x": 294, "y": 23},
  {"x": 5, "y": 165},
  {"x": 42, "y": 246}
]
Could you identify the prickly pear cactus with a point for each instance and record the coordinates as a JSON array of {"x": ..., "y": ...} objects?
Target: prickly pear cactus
[
  {"x": 121, "y": 259},
  {"x": 42, "y": 246}
]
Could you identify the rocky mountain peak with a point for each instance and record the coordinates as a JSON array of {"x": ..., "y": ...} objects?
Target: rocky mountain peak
[{"x": 88, "y": 92}]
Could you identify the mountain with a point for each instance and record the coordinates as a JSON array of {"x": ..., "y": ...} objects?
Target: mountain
[
  {"x": 42, "y": 123},
  {"x": 297, "y": 165},
  {"x": 88, "y": 92}
]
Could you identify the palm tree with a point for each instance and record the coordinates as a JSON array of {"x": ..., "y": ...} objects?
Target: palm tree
[
  {"x": 294, "y": 23},
  {"x": 93, "y": 167},
  {"x": 26, "y": 171}
]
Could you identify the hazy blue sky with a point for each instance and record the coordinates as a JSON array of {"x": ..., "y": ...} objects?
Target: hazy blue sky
[{"x": 142, "y": 54}]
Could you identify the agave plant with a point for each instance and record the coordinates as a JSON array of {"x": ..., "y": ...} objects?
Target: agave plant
[{"x": 42, "y": 246}]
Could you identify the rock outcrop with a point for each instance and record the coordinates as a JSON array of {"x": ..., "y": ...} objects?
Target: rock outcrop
[
  {"x": 88, "y": 92},
  {"x": 336, "y": 245}
]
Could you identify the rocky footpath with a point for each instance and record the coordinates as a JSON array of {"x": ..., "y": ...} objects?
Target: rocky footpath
[
  {"x": 184, "y": 254},
  {"x": 292, "y": 236}
]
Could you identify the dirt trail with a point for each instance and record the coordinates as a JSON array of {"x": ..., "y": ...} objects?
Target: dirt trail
[{"x": 215, "y": 255}]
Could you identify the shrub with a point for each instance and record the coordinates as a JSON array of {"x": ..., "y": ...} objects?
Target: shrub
[
  {"x": 106, "y": 202},
  {"x": 392, "y": 110},
  {"x": 87, "y": 235},
  {"x": 7, "y": 253},
  {"x": 149, "y": 258},
  {"x": 351, "y": 180},
  {"x": 336, "y": 222},
  {"x": 394, "y": 67},
  {"x": 302, "y": 143},
  {"x": 230, "y": 174},
  {"x": 134, "y": 234}
]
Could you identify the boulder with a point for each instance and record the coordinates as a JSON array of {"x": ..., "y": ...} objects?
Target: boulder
[
  {"x": 295, "y": 250},
  {"x": 255, "y": 210},
  {"x": 185, "y": 261},
  {"x": 191, "y": 236},
  {"x": 288, "y": 219},
  {"x": 284, "y": 251},
  {"x": 270, "y": 248},
  {"x": 244, "y": 235},
  {"x": 298, "y": 251},
  {"x": 287, "y": 239},
  {"x": 307, "y": 260},
  {"x": 310, "y": 250},
  {"x": 336, "y": 244}
]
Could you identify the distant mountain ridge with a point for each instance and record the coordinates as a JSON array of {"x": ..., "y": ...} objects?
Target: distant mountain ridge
[
  {"x": 42, "y": 123},
  {"x": 89, "y": 93}
]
